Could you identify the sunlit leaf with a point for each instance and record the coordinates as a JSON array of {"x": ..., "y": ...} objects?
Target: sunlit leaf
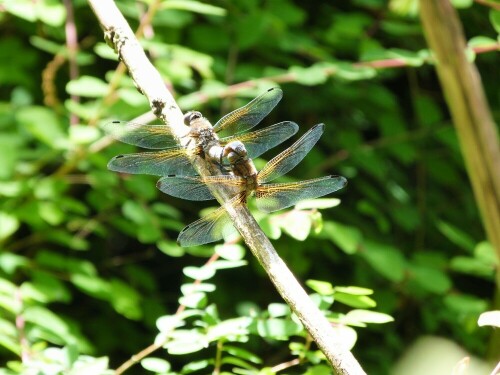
[
  {"x": 322, "y": 287},
  {"x": 230, "y": 252},
  {"x": 358, "y": 301},
  {"x": 354, "y": 290},
  {"x": 87, "y": 86},
  {"x": 319, "y": 204},
  {"x": 367, "y": 316},
  {"x": 278, "y": 329},
  {"x": 194, "y": 300},
  {"x": 489, "y": 318},
  {"x": 8, "y": 225},
  {"x": 346, "y": 238},
  {"x": 158, "y": 365},
  {"x": 199, "y": 273}
]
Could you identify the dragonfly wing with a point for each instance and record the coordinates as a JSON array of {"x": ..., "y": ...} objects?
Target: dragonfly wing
[
  {"x": 185, "y": 187},
  {"x": 196, "y": 188},
  {"x": 146, "y": 136},
  {"x": 258, "y": 142},
  {"x": 288, "y": 159},
  {"x": 274, "y": 197},
  {"x": 210, "y": 228},
  {"x": 161, "y": 163},
  {"x": 248, "y": 116}
]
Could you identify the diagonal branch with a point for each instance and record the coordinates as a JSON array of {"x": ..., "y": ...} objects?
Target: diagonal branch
[{"x": 150, "y": 83}]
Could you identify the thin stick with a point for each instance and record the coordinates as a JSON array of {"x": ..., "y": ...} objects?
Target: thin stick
[{"x": 150, "y": 83}]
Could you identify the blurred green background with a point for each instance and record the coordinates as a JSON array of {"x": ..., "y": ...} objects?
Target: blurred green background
[{"x": 88, "y": 258}]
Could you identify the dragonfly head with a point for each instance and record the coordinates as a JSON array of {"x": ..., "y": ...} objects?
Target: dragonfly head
[
  {"x": 235, "y": 151},
  {"x": 191, "y": 116}
]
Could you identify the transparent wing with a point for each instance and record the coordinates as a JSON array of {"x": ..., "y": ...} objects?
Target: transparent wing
[
  {"x": 161, "y": 163},
  {"x": 146, "y": 136},
  {"x": 195, "y": 188},
  {"x": 274, "y": 197},
  {"x": 248, "y": 116},
  {"x": 293, "y": 155},
  {"x": 258, "y": 142},
  {"x": 210, "y": 228}
]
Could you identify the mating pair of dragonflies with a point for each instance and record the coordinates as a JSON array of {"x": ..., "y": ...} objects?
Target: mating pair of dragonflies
[{"x": 234, "y": 153}]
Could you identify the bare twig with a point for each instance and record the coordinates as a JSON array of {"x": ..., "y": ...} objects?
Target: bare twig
[
  {"x": 150, "y": 83},
  {"x": 471, "y": 115}
]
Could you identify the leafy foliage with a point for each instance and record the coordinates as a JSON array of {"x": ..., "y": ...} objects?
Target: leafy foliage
[{"x": 89, "y": 269}]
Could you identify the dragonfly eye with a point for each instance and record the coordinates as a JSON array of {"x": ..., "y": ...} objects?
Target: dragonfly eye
[{"x": 191, "y": 116}]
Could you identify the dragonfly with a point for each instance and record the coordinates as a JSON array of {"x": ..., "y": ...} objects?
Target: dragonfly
[
  {"x": 270, "y": 197},
  {"x": 173, "y": 159}
]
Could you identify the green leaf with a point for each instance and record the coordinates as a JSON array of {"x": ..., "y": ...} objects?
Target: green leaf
[
  {"x": 197, "y": 287},
  {"x": 83, "y": 134},
  {"x": 125, "y": 299},
  {"x": 92, "y": 285},
  {"x": 457, "y": 236},
  {"x": 354, "y": 290},
  {"x": 49, "y": 321},
  {"x": 185, "y": 342},
  {"x": 462, "y": 4},
  {"x": 345, "y": 336},
  {"x": 472, "y": 266},
  {"x": 346, "y": 238},
  {"x": 318, "y": 204},
  {"x": 385, "y": 259},
  {"x": 170, "y": 248},
  {"x": 51, "y": 12},
  {"x": 9, "y": 224},
  {"x": 169, "y": 323},
  {"x": 349, "y": 72},
  {"x": 318, "y": 370},
  {"x": 237, "y": 362},
  {"x": 199, "y": 273},
  {"x": 357, "y": 301},
  {"x": 465, "y": 304},
  {"x": 322, "y": 287},
  {"x": 226, "y": 264},
  {"x": 270, "y": 225},
  {"x": 9, "y": 262},
  {"x": 25, "y": 10},
  {"x": 297, "y": 224},
  {"x": 310, "y": 76},
  {"x": 51, "y": 213},
  {"x": 194, "y": 6},
  {"x": 484, "y": 251},
  {"x": 231, "y": 329},
  {"x": 278, "y": 329},
  {"x": 241, "y": 353},
  {"x": 43, "y": 124},
  {"x": 366, "y": 316},
  {"x": 194, "y": 301},
  {"x": 196, "y": 366},
  {"x": 230, "y": 251},
  {"x": 277, "y": 310},
  {"x": 408, "y": 57},
  {"x": 431, "y": 279},
  {"x": 157, "y": 365},
  {"x": 495, "y": 19},
  {"x": 136, "y": 212},
  {"x": 481, "y": 41},
  {"x": 87, "y": 86}
]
